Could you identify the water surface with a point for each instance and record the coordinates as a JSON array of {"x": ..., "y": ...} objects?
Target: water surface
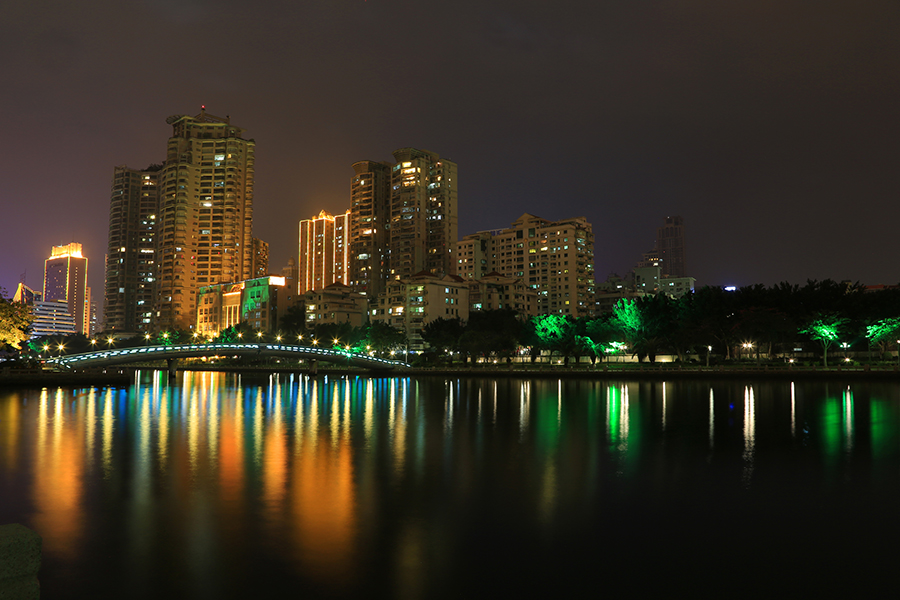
[{"x": 218, "y": 486}]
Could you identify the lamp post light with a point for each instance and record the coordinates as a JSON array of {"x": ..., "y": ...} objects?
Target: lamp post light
[
  {"x": 61, "y": 347},
  {"x": 708, "y": 352},
  {"x": 147, "y": 338},
  {"x": 898, "y": 353},
  {"x": 109, "y": 341}
]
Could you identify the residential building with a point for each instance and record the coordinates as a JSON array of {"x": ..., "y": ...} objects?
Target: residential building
[
  {"x": 404, "y": 218},
  {"x": 65, "y": 279},
  {"x": 130, "y": 289},
  {"x": 410, "y": 303},
  {"x": 555, "y": 258},
  {"x": 323, "y": 251},
  {"x": 494, "y": 291},
  {"x": 259, "y": 302},
  {"x": 260, "y": 258},
  {"x": 424, "y": 213},
  {"x": 370, "y": 210},
  {"x": 204, "y": 234},
  {"x": 337, "y": 303}
]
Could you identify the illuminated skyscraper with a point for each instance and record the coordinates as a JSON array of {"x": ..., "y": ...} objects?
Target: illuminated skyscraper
[
  {"x": 130, "y": 293},
  {"x": 404, "y": 219},
  {"x": 65, "y": 279},
  {"x": 205, "y": 215},
  {"x": 370, "y": 203},
  {"x": 323, "y": 251},
  {"x": 424, "y": 216}
]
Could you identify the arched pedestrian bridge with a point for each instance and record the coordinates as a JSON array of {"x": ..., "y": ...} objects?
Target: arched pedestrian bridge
[{"x": 115, "y": 356}]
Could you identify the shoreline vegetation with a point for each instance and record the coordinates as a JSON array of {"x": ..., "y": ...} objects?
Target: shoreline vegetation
[{"x": 124, "y": 375}]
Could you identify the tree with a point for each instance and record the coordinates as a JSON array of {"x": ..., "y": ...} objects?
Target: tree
[
  {"x": 381, "y": 337},
  {"x": 826, "y": 330},
  {"x": 443, "y": 334},
  {"x": 882, "y": 333},
  {"x": 15, "y": 321}
]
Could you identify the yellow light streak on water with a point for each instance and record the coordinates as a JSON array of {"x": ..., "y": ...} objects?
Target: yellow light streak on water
[{"x": 749, "y": 434}]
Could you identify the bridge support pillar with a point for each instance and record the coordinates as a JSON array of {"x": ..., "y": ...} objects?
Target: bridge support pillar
[
  {"x": 313, "y": 367},
  {"x": 170, "y": 366}
]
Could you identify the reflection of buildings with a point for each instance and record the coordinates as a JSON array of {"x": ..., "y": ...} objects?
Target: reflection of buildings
[
  {"x": 555, "y": 258},
  {"x": 65, "y": 280}
]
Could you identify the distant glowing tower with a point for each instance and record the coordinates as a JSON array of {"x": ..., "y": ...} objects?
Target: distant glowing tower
[
  {"x": 323, "y": 251},
  {"x": 65, "y": 279},
  {"x": 670, "y": 247}
]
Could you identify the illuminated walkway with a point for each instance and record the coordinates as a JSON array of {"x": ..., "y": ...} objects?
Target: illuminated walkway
[{"x": 102, "y": 358}]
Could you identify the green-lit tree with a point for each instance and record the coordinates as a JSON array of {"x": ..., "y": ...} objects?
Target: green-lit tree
[
  {"x": 826, "y": 330},
  {"x": 883, "y": 333}
]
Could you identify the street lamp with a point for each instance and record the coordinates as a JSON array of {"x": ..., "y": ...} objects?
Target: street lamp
[
  {"x": 147, "y": 338},
  {"x": 708, "y": 352}
]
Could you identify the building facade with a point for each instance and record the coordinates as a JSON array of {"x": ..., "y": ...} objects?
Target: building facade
[
  {"x": 323, "y": 251},
  {"x": 370, "y": 193},
  {"x": 260, "y": 254},
  {"x": 424, "y": 214},
  {"x": 205, "y": 218},
  {"x": 259, "y": 302},
  {"x": 65, "y": 280},
  {"x": 411, "y": 303},
  {"x": 495, "y": 292},
  {"x": 130, "y": 291},
  {"x": 555, "y": 258},
  {"x": 403, "y": 219},
  {"x": 670, "y": 247},
  {"x": 337, "y": 303}
]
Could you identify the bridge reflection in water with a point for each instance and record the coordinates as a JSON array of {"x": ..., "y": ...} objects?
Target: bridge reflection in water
[{"x": 143, "y": 354}]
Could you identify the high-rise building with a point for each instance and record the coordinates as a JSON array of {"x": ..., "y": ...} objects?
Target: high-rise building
[
  {"x": 65, "y": 280},
  {"x": 130, "y": 289},
  {"x": 670, "y": 247},
  {"x": 424, "y": 215},
  {"x": 556, "y": 258},
  {"x": 323, "y": 251},
  {"x": 404, "y": 219},
  {"x": 205, "y": 217},
  {"x": 370, "y": 210},
  {"x": 260, "y": 254}
]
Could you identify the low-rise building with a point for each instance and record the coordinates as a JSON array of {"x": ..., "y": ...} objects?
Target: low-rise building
[
  {"x": 495, "y": 291},
  {"x": 258, "y": 302},
  {"x": 337, "y": 303},
  {"x": 409, "y": 304}
]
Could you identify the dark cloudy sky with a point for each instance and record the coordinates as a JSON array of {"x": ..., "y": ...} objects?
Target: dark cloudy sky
[{"x": 772, "y": 127}]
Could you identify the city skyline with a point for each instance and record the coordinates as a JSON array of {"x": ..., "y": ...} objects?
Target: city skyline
[{"x": 771, "y": 130}]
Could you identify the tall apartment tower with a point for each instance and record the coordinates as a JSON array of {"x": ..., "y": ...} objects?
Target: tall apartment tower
[
  {"x": 205, "y": 215},
  {"x": 424, "y": 216},
  {"x": 65, "y": 280},
  {"x": 130, "y": 289},
  {"x": 323, "y": 251},
  {"x": 370, "y": 204},
  {"x": 556, "y": 258},
  {"x": 670, "y": 247}
]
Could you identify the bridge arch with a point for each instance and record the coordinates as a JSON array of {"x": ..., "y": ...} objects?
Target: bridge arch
[{"x": 118, "y": 356}]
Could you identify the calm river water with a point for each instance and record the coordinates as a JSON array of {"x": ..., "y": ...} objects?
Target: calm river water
[{"x": 222, "y": 486}]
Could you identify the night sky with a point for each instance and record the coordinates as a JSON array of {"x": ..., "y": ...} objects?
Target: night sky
[{"x": 772, "y": 127}]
